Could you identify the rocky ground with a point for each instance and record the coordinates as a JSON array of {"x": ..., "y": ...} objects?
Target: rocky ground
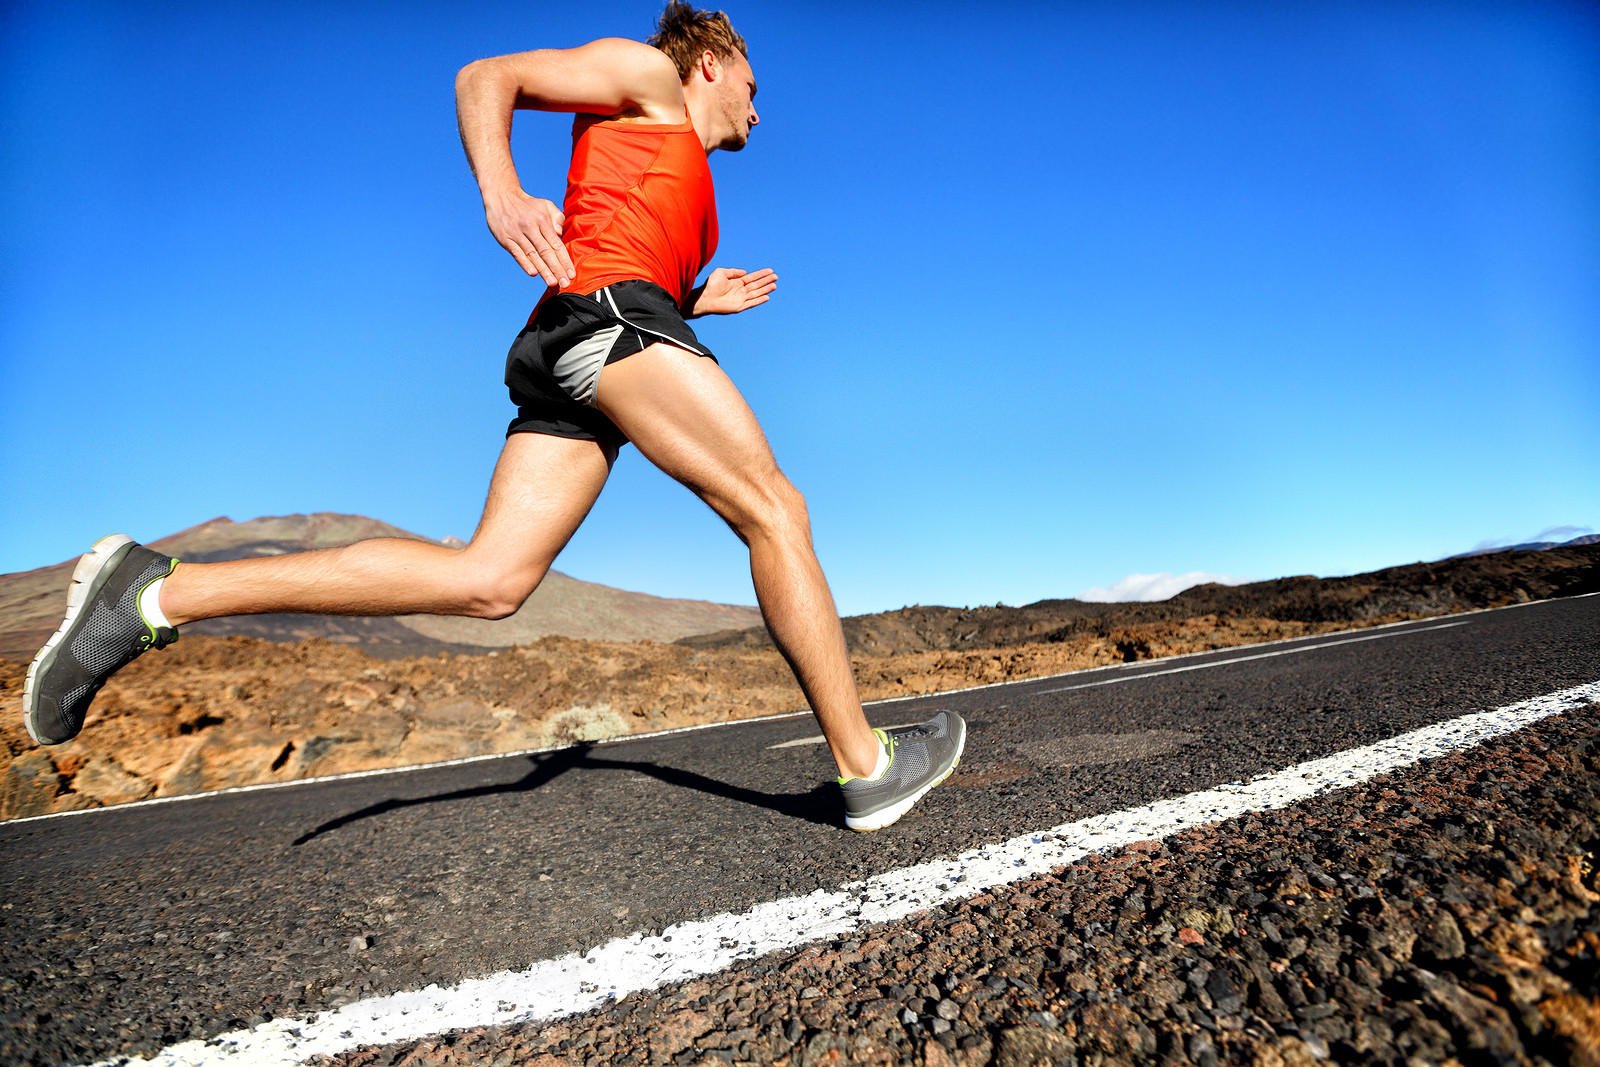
[
  {"x": 1443, "y": 915},
  {"x": 214, "y": 713}
]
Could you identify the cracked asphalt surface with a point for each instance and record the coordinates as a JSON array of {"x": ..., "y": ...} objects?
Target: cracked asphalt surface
[{"x": 129, "y": 929}]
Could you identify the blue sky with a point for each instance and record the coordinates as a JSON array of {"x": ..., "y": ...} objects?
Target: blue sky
[{"x": 1069, "y": 292}]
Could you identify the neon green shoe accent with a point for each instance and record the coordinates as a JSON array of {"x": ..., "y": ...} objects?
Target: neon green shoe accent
[
  {"x": 888, "y": 746},
  {"x": 139, "y": 608}
]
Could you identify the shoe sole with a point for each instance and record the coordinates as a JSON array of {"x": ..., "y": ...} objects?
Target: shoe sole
[
  {"x": 88, "y": 577},
  {"x": 886, "y": 816}
]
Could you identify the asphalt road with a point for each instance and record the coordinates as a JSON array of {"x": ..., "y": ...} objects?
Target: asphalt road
[{"x": 158, "y": 924}]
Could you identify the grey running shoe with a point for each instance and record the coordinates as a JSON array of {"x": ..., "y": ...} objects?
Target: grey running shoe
[
  {"x": 103, "y": 632},
  {"x": 920, "y": 757}
]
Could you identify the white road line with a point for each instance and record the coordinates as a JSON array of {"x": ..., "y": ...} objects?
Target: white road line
[
  {"x": 581, "y": 981},
  {"x": 1241, "y": 659},
  {"x": 818, "y": 739},
  {"x": 378, "y": 771}
]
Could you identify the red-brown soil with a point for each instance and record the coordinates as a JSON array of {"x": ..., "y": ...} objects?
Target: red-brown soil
[{"x": 211, "y": 713}]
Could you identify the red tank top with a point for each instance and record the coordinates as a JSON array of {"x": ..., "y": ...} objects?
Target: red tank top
[{"x": 640, "y": 204}]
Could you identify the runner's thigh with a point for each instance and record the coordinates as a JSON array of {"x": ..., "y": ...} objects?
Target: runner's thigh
[
  {"x": 543, "y": 487},
  {"x": 687, "y": 417}
]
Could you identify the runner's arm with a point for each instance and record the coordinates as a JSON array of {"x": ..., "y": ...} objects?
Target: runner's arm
[{"x": 606, "y": 77}]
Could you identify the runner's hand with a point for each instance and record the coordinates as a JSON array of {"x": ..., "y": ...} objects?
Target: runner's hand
[
  {"x": 530, "y": 229},
  {"x": 730, "y": 290}
]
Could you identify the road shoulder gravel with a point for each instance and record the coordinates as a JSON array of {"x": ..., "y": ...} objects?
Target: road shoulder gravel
[{"x": 1442, "y": 913}]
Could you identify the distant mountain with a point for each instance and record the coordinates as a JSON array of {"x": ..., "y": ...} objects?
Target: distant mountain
[{"x": 31, "y": 603}]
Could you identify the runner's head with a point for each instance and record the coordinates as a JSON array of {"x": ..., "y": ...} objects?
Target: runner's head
[{"x": 711, "y": 57}]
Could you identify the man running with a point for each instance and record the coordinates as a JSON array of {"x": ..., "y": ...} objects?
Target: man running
[{"x": 606, "y": 358}]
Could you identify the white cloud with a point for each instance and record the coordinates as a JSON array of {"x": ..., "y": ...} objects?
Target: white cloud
[
  {"x": 1561, "y": 533},
  {"x": 1557, "y": 534},
  {"x": 1154, "y": 586}
]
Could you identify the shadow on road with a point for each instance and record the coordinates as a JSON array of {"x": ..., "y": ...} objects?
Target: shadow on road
[{"x": 819, "y": 805}]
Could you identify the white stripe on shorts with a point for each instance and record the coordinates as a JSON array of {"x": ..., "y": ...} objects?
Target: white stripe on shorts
[{"x": 642, "y": 329}]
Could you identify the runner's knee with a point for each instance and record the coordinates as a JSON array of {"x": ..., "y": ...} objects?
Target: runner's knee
[{"x": 772, "y": 508}]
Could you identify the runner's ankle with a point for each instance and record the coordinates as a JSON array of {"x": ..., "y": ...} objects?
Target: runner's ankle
[
  {"x": 170, "y": 600},
  {"x": 879, "y": 764}
]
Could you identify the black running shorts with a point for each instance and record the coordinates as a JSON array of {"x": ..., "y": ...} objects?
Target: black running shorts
[{"x": 554, "y": 365}]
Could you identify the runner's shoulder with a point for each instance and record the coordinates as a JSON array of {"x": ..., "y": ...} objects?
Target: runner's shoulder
[
  {"x": 635, "y": 57},
  {"x": 638, "y": 73}
]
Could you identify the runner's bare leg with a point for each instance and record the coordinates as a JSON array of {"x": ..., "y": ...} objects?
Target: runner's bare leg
[
  {"x": 543, "y": 487},
  {"x": 687, "y": 417}
]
